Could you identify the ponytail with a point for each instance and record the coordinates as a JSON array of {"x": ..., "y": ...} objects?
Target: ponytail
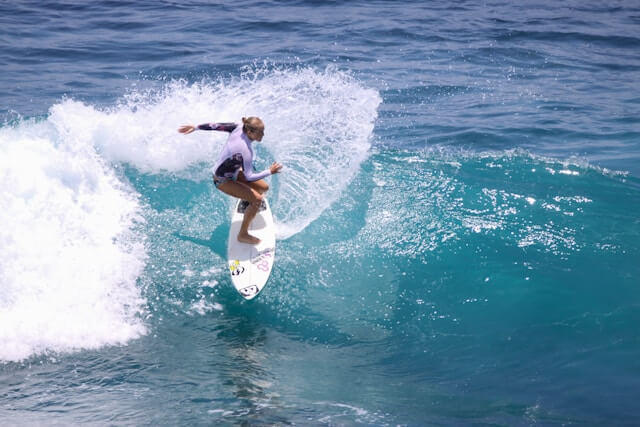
[{"x": 251, "y": 123}]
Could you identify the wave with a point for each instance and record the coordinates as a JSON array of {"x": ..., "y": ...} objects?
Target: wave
[
  {"x": 73, "y": 245},
  {"x": 422, "y": 201},
  {"x": 69, "y": 251}
]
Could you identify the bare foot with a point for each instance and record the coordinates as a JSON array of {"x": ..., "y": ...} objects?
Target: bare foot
[{"x": 248, "y": 238}]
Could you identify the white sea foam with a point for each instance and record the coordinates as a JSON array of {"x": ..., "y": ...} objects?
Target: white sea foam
[
  {"x": 68, "y": 261},
  {"x": 322, "y": 126}
]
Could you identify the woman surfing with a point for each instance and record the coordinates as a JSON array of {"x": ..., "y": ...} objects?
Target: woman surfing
[{"x": 233, "y": 172}]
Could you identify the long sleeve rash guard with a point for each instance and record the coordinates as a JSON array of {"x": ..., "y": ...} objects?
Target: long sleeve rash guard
[{"x": 237, "y": 154}]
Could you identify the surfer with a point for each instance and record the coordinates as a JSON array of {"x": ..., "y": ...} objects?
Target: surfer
[{"x": 233, "y": 172}]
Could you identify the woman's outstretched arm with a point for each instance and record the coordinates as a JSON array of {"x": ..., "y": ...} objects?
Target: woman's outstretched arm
[{"x": 225, "y": 127}]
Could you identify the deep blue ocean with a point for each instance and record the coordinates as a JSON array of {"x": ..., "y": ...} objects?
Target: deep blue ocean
[{"x": 458, "y": 214}]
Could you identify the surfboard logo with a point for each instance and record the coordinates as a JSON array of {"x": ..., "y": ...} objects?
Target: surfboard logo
[
  {"x": 235, "y": 268},
  {"x": 249, "y": 291}
]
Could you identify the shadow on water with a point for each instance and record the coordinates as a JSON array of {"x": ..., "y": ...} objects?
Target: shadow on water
[
  {"x": 217, "y": 242},
  {"x": 164, "y": 191}
]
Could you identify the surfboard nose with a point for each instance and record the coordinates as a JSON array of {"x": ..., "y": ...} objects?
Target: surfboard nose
[{"x": 249, "y": 292}]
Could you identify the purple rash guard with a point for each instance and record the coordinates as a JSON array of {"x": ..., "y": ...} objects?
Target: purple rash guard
[{"x": 236, "y": 156}]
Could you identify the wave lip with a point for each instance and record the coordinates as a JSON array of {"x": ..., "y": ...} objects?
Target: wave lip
[{"x": 323, "y": 124}]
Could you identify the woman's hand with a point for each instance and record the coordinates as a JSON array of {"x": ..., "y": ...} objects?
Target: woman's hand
[
  {"x": 275, "y": 168},
  {"x": 186, "y": 129}
]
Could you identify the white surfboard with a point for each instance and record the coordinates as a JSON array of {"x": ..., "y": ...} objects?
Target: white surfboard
[{"x": 250, "y": 265}]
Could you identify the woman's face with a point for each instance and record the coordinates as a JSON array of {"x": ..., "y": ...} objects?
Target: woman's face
[{"x": 256, "y": 133}]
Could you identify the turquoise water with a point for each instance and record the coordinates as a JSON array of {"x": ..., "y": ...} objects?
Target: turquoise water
[{"x": 458, "y": 217}]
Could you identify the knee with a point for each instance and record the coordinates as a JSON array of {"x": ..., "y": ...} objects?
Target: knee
[
  {"x": 261, "y": 186},
  {"x": 257, "y": 198}
]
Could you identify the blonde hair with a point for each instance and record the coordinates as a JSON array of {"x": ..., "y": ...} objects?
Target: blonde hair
[{"x": 251, "y": 123}]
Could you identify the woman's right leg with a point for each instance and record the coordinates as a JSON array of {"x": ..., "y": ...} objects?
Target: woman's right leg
[
  {"x": 244, "y": 192},
  {"x": 260, "y": 185}
]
